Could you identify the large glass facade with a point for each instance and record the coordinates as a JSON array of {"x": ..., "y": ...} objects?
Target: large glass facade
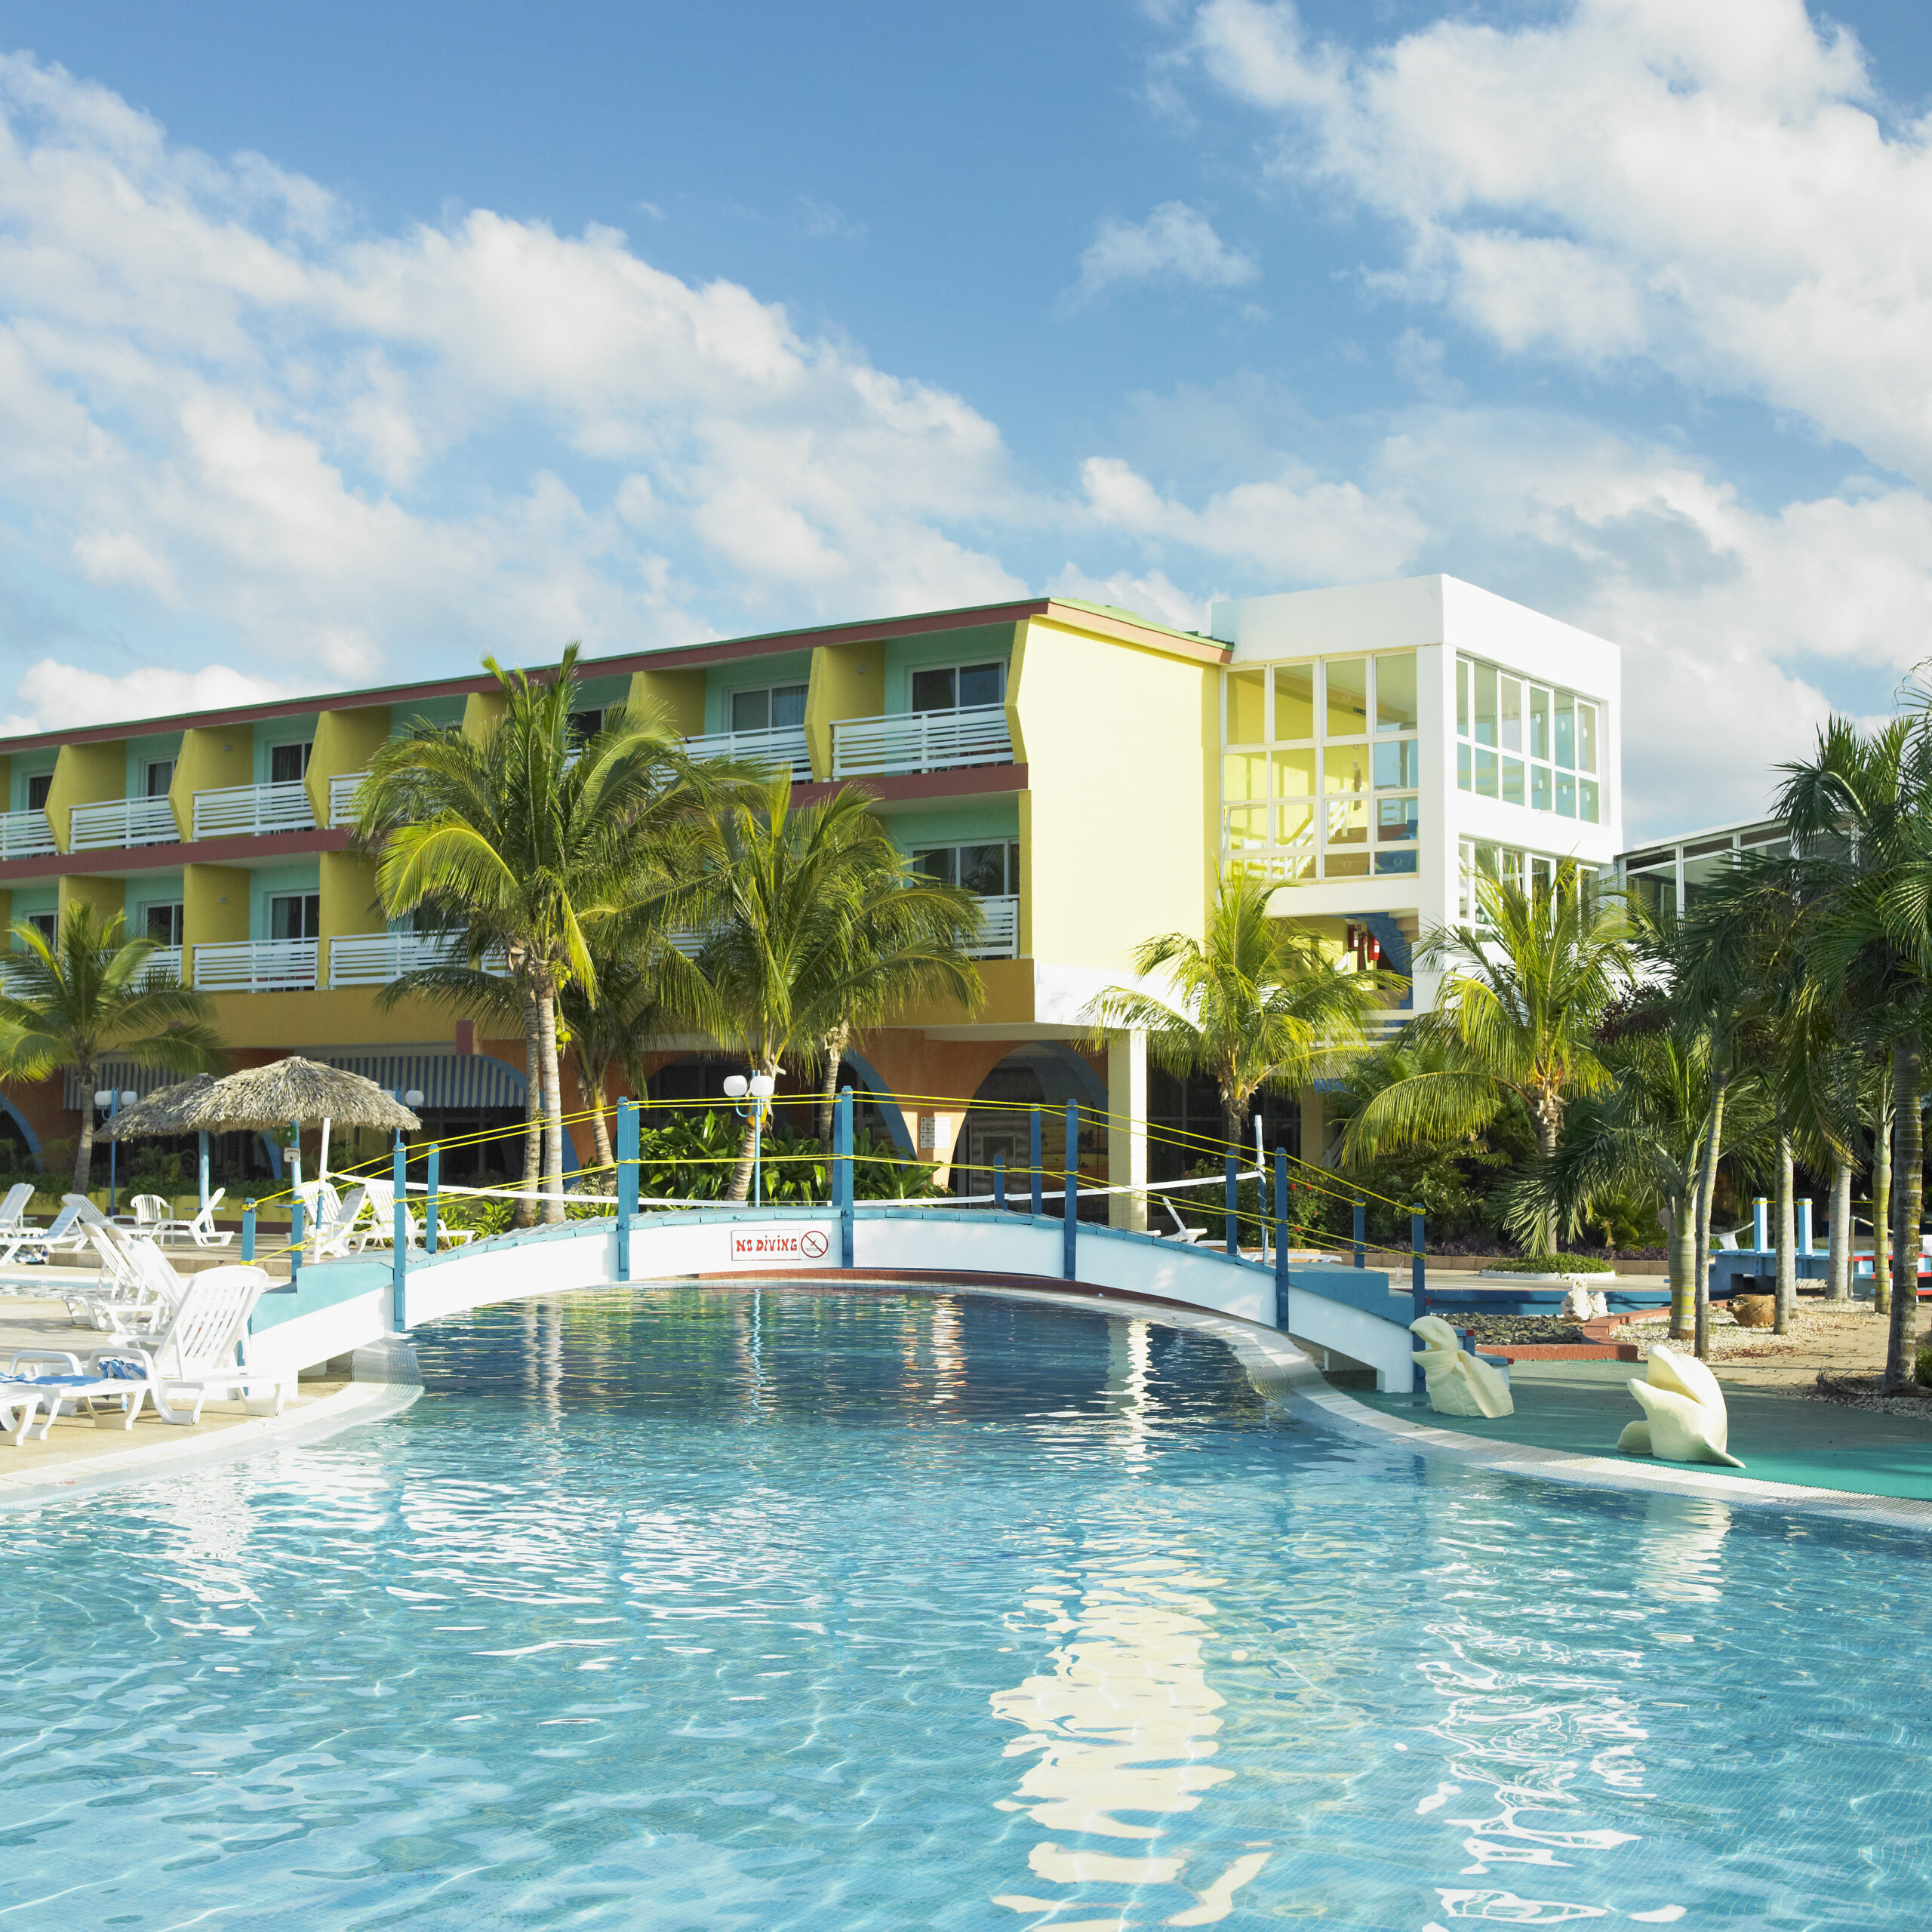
[
  {"x": 1320, "y": 772},
  {"x": 1528, "y": 872},
  {"x": 1527, "y": 743}
]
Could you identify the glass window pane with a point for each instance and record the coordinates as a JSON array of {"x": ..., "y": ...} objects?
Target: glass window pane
[
  {"x": 1586, "y": 737},
  {"x": 1245, "y": 776},
  {"x": 160, "y": 775},
  {"x": 1484, "y": 733},
  {"x": 1246, "y": 827},
  {"x": 1462, "y": 767},
  {"x": 933, "y": 690},
  {"x": 1512, "y": 781},
  {"x": 1348, "y": 822},
  {"x": 751, "y": 711},
  {"x": 1345, "y": 680},
  {"x": 1345, "y": 768},
  {"x": 1395, "y": 693},
  {"x": 982, "y": 869},
  {"x": 788, "y": 707},
  {"x": 939, "y": 861},
  {"x": 1295, "y": 823},
  {"x": 1509, "y": 705},
  {"x": 1344, "y": 865},
  {"x": 1395, "y": 862},
  {"x": 1541, "y": 872},
  {"x": 1399, "y": 765},
  {"x": 287, "y": 763},
  {"x": 1566, "y": 794},
  {"x": 1540, "y": 799},
  {"x": 39, "y": 785},
  {"x": 1397, "y": 820},
  {"x": 1539, "y": 722},
  {"x": 1566, "y": 731},
  {"x": 1587, "y": 800},
  {"x": 981, "y": 683},
  {"x": 1294, "y": 775},
  {"x": 1294, "y": 702},
  {"x": 1486, "y": 773},
  {"x": 1013, "y": 867},
  {"x": 1245, "y": 700},
  {"x": 1461, "y": 697}
]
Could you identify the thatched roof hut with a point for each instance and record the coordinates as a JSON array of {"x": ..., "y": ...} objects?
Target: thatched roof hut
[
  {"x": 270, "y": 1098},
  {"x": 167, "y": 1110}
]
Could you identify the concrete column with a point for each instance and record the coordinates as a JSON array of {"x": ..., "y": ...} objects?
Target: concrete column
[
  {"x": 1127, "y": 1130},
  {"x": 1314, "y": 1128}
]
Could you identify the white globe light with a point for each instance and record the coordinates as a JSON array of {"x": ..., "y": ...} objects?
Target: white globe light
[
  {"x": 763, "y": 1086},
  {"x": 414, "y": 1098},
  {"x": 736, "y": 1086},
  {"x": 128, "y": 1097}
]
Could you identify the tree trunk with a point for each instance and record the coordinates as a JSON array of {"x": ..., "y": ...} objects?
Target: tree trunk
[
  {"x": 533, "y": 1111},
  {"x": 740, "y": 1189},
  {"x": 1908, "y": 1158},
  {"x": 1549, "y": 1131},
  {"x": 1882, "y": 1212},
  {"x": 1838, "y": 1288},
  {"x": 834, "y": 1045},
  {"x": 1707, "y": 1189},
  {"x": 1787, "y": 1241},
  {"x": 600, "y": 1130},
  {"x": 1683, "y": 1261},
  {"x": 553, "y": 1100},
  {"x": 83, "y": 1152}
]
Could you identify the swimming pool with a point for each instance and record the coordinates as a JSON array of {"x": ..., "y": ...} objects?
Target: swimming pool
[{"x": 690, "y": 1609}]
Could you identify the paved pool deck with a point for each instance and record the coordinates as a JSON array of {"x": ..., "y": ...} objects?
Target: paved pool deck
[{"x": 1782, "y": 1439}]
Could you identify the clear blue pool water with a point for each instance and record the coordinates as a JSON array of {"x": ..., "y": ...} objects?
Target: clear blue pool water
[{"x": 690, "y": 1610}]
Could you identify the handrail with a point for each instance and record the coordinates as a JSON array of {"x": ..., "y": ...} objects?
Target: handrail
[
  {"x": 251, "y": 810},
  {"x": 25, "y": 835},
  {"x": 256, "y": 966},
  {"x": 343, "y": 789},
  {"x": 921, "y": 741},
  {"x": 109, "y": 822},
  {"x": 783, "y": 744}
]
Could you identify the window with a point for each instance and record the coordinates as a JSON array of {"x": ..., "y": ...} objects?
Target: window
[
  {"x": 1528, "y": 872},
  {"x": 585, "y": 724},
  {"x": 1335, "y": 796},
  {"x": 771, "y": 708},
  {"x": 1526, "y": 744},
  {"x": 288, "y": 765},
  {"x": 993, "y": 871},
  {"x": 162, "y": 921},
  {"x": 39, "y": 785},
  {"x": 42, "y": 923},
  {"x": 959, "y": 687},
  {"x": 295, "y": 915},
  {"x": 160, "y": 775}
]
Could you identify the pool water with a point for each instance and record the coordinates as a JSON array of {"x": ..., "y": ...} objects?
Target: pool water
[{"x": 689, "y": 1609}]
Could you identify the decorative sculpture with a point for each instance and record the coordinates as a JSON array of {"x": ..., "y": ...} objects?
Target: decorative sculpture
[
  {"x": 1685, "y": 1418},
  {"x": 1580, "y": 1304},
  {"x": 1458, "y": 1384}
]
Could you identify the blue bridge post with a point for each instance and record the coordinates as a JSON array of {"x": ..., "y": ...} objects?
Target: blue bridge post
[
  {"x": 1036, "y": 1143},
  {"x": 248, "y": 1231},
  {"x": 1281, "y": 1239},
  {"x": 1418, "y": 1280},
  {"x": 431, "y": 1200},
  {"x": 1234, "y": 1218},
  {"x": 627, "y": 1183},
  {"x": 1361, "y": 1233},
  {"x": 399, "y": 1236},
  {"x": 845, "y": 1177},
  {"x": 1070, "y": 1161},
  {"x": 999, "y": 1182}
]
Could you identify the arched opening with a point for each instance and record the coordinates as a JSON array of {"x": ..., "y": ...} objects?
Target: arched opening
[{"x": 997, "y": 1126}]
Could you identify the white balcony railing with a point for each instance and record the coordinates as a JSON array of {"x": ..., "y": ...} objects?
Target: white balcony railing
[
  {"x": 343, "y": 789},
  {"x": 373, "y": 959},
  {"x": 999, "y": 931},
  {"x": 256, "y": 966},
  {"x": 921, "y": 741},
  {"x": 115, "y": 821},
  {"x": 25, "y": 834},
  {"x": 785, "y": 745},
  {"x": 243, "y": 810}
]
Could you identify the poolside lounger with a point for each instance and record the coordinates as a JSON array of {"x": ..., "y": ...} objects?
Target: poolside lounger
[
  {"x": 202, "y": 1229},
  {"x": 331, "y": 1241},
  {"x": 1180, "y": 1231},
  {"x": 15, "y": 1205},
  {"x": 138, "y": 1290},
  {"x": 63, "y": 1235},
  {"x": 380, "y": 1231}
]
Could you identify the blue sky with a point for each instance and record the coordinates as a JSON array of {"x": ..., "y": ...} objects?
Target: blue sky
[{"x": 341, "y": 345}]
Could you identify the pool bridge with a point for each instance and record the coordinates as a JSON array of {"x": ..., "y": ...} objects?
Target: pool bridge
[{"x": 334, "y": 1308}]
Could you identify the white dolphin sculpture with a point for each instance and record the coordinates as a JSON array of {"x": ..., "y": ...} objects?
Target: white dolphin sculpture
[
  {"x": 1459, "y": 1384},
  {"x": 1684, "y": 1418}
]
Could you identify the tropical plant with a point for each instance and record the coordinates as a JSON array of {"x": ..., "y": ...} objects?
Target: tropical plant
[
  {"x": 1253, "y": 1002},
  {"x": 91, "y": 991},
  {"x": 819, "y": 925},
  {"x": 540, "y": 844},
  {"x": 1516, "y": 1022}
]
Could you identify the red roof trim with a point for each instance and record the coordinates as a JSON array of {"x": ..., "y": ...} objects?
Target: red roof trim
[{"x": 262, "y": 850}]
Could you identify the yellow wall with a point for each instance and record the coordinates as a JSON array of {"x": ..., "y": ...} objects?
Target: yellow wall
[
  {"x": 287, "y": 1022},
  {"x": 482, "y": 712},
  {"x": 83, "y": 775},
  {"x": 848, "y": 680},
  {"x": 107, "y": 896},
  {"x": 6, "y": 918},
  {"x": 1120, "y": 743},
  {"x": 677, "y": 695},
  {"x": 209, "y": 761},
  {"x": 207, "y": 920},
  {"x": 345, "y": 741},
  {"x": 349, "y": 899}
]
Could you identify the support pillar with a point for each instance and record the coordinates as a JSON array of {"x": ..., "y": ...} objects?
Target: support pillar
[{"x": 1127, "y": 1129}]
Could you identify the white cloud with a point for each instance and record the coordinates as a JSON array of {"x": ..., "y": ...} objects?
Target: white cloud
[
  {"x": 1175, "y": 243},
  {"x": 56, "y": 694},
  {"x": 1149, "y": 594}
]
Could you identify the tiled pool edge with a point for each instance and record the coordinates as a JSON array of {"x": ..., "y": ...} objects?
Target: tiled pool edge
[{"x": 188, "y": 1454}]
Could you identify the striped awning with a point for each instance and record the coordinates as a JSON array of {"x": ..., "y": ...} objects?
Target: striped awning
[{"x": 444, "y": 1080}]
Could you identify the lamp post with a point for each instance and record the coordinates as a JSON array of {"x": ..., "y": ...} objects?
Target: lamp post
[
  {"x": 759, "y": 1090},
  {"x": 114, "y": 1100}
]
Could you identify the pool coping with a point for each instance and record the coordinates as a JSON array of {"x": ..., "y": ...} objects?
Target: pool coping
[{"x": 189, "y": 1453}]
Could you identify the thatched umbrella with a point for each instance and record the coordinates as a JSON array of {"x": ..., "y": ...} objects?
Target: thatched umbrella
[
  {"x": 167, "y": 1110},
  {"x": 291, "y": 1092}
]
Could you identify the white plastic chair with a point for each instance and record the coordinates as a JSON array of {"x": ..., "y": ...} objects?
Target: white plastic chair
[
  {"x": 381, "y": 1231},
  {"x": 1181, "y": 1231},
  {"x": 63, "y": 1235},
  {"x": 202, "y": 1229},
  {"x": 15, "y": 1205},
  {"x": 331, "y": 1240},
  {"x": 138, "y": 1290}
]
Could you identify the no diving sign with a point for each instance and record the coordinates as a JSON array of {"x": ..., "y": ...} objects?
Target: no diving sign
[{"x": 784, "y": 1245}]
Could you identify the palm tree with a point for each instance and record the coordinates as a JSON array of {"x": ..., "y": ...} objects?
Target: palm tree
[
  {"x": 1255, "y": 1002},
  {"x": 1517, "y": 1021},
  {"x": 534, "y": 841},
  {"x": 91, "y": 992},
  {"x": 818, "y": 925}
]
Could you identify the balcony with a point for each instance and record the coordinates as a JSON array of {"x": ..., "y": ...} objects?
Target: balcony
[
  {"x": 999, "y": 930},
  {"x": 784, "y": 746},
  {"x": 163, "y": 963},
  {"x": 256, "y": 966},
  {"x": 373, "y": 959},
  {"x": 244, "y": 811},
  {"x": 25, "y": 835},
  {"x": 343, "y": 789},
  {"x": 921, "y": 741},
  {"x": 112, "y": 823}
]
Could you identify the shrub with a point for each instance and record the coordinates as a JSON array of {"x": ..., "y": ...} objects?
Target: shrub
[{"x": 1554, "y": 1264}]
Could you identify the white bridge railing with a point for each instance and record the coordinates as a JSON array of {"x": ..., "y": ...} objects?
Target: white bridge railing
[
  {"x": 784, "y": 746},
  {"x": 921, "y": 741},
  {"x": 25, "y": 834},
  {"x": 256, "y": 966},
  {"x": 109, "y": 822},
  {"x": 246, "y": 811}
]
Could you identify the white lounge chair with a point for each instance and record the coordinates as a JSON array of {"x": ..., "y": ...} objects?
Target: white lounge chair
[
  {"x": 202, "y": 1229},
  {"x": 15, "y": 1205},
  {"x": 64, "y": 1235},
  {"x": 380, "y": 1231},
  {"x": 1181, "y": 1231},
  {"x": 332, "y": 1239},
  {"x": 138, "y": 1289},
  {"x": 197, "y": 1355}
]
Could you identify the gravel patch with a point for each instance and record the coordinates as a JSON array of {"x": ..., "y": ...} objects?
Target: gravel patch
[
  {"x": 1867, "y": 1392},
  {"x": 1503, "y": 1330}
]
